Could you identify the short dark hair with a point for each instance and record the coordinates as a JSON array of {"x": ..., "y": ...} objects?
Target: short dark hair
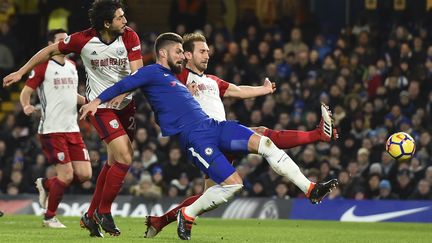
[
  {"x": 101, "y": 11},
  {"x": 52, "y": 33},
  {"x": 165, "y": 39},
  {"x": 189, "y": 39}
]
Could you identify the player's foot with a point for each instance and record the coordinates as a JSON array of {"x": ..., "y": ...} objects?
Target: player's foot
[
  {"x": 184, "y": 225},
  {"x": 153, "y": 226},
  {"x": 320, "y": 190},
  {"x": 90, "y": 224},
  {"x": 43, "y": 194},
  {"x": 325, "y": 127},
  {"x": 106, "y": 221},
  {"x": 53, "y": 223}
]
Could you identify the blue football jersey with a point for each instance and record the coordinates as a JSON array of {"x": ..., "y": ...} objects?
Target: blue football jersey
[{"x": 175, "y": 108}]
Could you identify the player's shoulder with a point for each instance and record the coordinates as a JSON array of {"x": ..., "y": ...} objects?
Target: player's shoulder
[
  {"x": 41, "y": 67},
  {"x": 213, "y": 77},
  {"x": 129, "y": 32},
  {"x": 82, "y": 36},
  {"x": 90, "y": 32}
]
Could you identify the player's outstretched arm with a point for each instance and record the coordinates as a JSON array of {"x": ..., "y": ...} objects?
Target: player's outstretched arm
[
  {"x": 40, "y": 57},
  {"x": 25, "y": 96},
  {"x": 134, "y": 66},
  {"x": 246, "y": 91}
]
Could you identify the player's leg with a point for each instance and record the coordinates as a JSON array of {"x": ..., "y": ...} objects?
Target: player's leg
[
  {"x": 282, "y": 164},
  {"x": 117, "y": 129},
  {"x": 286, "y": 139},
  {"x": 235, "y": 136},
  {"x": 56, "y": 151},
  {"x": 155, "y": 224},
  {"x": 100, "y": 182},
  {"x": 213, "y": 163},
  {"x": 83, "y": 171}
]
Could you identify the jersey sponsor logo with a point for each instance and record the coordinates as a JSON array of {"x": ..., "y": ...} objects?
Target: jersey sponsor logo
[
  {"x": 32, "y": 74},
  {"x": 120, "y": 51},
  {"x": 61, "y": 156},
  {"x": 96, "y": 63},
  {"x": 135, "y": 48},
  {"x": 208, "y": 151},
  {"x": 66, "y": 40},
  {"x": 114, "y": 124},
  {"x": 350, "y": 216}
]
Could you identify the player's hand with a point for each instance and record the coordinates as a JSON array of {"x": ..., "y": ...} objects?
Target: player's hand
[
  {"x": 193, "y": 88},
  {"x": 12, "y": 78},
  {"x": 115, "y": 102},
  {"x": 270, "y": 86},
  {"x": 89, "y": 109},
  {"x": 28, "y": 109}
]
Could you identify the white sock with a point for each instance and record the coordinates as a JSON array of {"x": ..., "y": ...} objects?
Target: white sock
[
  {"x": 282, "y": 163},
  {"x": 212, "y": 198}
]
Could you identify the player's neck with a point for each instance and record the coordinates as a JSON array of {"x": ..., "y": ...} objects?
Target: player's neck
[
  {"x": 106, "y": 36},
  {"x": 194, "y": 69},
  {"x": 163, "y": 64},
  {"x": 59, "y": 59}
]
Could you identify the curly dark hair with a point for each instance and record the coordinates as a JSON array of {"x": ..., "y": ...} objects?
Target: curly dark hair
[{"x": 103, "y": 10}]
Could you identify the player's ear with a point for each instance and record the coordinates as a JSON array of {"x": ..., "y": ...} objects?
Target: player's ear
[
  {"x": 188, "y": 55},
  {"x": 163, "y": 53},
  {"x": 107, "y": 24}
]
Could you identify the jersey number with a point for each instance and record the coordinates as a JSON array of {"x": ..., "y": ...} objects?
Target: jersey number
[
  {"x": 132, "y": 123},
  {"x": 86, "y": 154}
]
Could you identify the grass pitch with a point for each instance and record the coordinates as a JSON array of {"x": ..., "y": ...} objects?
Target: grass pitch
[{"x": 26, "y": 229}]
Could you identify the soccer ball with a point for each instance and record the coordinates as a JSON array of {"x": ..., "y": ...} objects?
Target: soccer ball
[{"x": 400, "y": 146}]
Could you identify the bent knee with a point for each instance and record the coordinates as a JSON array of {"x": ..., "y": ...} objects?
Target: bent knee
[
  {"x": 124, "y": 157},
  {"x": 234, "y": 179},
  {"x": 84, "y": 176}
]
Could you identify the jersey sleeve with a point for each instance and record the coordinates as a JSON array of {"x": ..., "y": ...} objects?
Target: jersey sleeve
[
  {"x": 37, "y": 76},
  {"x": 222, "y": 84},
  {"x": 74, "y": 42},
  {"x": 133, "y": 45}
]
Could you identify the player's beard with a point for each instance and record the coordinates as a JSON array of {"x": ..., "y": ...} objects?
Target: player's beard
[
  {"x": 201, "y": 66},
  {"x": 175, "y": 68}
]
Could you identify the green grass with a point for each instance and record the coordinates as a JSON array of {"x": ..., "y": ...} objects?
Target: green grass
[{"x": 28, "y": 229}]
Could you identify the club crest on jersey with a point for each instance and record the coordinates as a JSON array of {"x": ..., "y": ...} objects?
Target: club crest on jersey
[
  {"x": 120, "y": 51},
  {"x": 208, "y": 151},
  {"x": 66, "y": 40},
  {"x": 60, "y": 156},
  {"x": 173, "y": 83},
  {"x": 114, "y": 124}
]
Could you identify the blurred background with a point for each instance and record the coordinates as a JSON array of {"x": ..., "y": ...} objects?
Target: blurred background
[{"x": 369, "y": 60}]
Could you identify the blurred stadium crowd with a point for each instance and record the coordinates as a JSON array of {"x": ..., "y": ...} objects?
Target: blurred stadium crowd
[{"x": 375, "y": 75}]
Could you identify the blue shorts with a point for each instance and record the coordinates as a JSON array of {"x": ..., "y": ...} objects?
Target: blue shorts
[{"x": 206, "y": 143}]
